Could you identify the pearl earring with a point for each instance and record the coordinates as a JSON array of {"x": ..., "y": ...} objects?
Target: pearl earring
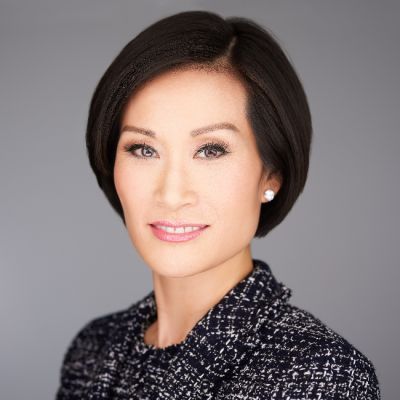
[{"x": 269, "y": 194}]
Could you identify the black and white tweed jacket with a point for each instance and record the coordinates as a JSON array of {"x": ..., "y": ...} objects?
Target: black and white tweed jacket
[{"x": 253, "y": 344}]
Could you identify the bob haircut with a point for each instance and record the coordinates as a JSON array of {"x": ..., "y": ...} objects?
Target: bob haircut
[{"x": 277, "y": 107}]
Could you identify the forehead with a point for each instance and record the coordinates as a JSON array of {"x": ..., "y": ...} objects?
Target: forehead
[{"x": 198, "y": 96}]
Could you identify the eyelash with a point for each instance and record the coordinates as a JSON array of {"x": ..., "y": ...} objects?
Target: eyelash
[{"x": 219, "y": 146}]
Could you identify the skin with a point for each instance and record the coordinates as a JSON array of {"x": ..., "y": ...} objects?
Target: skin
[{"x": 179, "y": 182}]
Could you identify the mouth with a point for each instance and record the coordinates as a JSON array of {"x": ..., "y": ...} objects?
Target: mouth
[
  {"x": 177, "y": 233},
  {"x": 181, "y": 224}
]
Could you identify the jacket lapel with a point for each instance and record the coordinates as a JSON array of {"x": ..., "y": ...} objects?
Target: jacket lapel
[{"x": 221, "y": 340}]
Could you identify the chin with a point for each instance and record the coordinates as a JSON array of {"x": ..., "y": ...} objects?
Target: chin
[{"x": 173, "y": 269}]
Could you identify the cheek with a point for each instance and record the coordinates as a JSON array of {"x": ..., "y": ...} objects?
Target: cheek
[
  {"x": 235, "y": 191},
  {"x": 119, "y": 181},
  {"x": 125, "y": 184},
  {"x": 235, "y": 201},
  {"x": 133, "y": 188}
]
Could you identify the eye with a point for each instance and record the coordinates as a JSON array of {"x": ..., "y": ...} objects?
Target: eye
[
  {"x": 131, "y": 148},
  {"x": 211, "y": 147},
  {"x": 214, "y": 147}
]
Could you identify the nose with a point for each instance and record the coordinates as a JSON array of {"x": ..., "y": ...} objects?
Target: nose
[{"x": 175, "y": 187}]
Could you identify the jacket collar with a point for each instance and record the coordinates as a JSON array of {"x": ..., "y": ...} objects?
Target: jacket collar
[
  {"x": 217, "y": 343},
  {"x": 239, "y": 312},
  {"x": 222, "y": 338}
]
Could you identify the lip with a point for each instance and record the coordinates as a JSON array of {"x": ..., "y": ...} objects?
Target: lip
[
  {"x": 177, "y": 225},
  {"x": 177, "y": 237}
]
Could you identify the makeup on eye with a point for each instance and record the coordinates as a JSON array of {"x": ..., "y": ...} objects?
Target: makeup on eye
[{"x": 213, "y": 145}]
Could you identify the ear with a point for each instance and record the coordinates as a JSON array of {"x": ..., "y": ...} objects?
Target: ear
[{"x": 270, "y": 180}]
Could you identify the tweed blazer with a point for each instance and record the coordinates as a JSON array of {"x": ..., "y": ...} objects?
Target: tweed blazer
[{"x": 253, "y": 344}]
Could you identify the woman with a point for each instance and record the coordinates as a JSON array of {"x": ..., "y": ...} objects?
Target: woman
[{"x": 199, "y": 135}]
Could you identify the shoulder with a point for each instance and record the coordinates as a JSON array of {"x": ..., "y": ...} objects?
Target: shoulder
[
  {"x": 93, "y": 334},
  {"x": 84, "y": 350},
  {"x": 300, "y": 356}
]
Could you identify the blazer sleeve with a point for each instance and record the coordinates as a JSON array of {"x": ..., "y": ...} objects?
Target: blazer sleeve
[
  {"x": 74, "y": 369},
  {"x": 335, "y": 372},
  {"x": 363, "y": 381},
  {"x": 330, "y": 372}
]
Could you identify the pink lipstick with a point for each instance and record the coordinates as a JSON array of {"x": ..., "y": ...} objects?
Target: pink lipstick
[{"x": 176, "y": 232}]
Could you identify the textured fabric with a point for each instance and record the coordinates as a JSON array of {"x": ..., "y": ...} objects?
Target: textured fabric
[{"x": 253, "y": 344}]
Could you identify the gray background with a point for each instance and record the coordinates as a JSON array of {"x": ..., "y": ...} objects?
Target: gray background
[{"x": 65, "y": 256}]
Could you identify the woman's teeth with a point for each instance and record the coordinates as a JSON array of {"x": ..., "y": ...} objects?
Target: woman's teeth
[{"x": 182, "y": 229}]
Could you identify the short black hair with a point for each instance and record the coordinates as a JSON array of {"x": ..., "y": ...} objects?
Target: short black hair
[{"x": 277, "y": 107}]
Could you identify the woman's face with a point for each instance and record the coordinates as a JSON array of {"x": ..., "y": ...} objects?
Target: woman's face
[{"x": 172, "y": 175}]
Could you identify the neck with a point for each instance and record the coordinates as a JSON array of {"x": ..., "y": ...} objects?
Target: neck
[{"x": 183, "y": 301}]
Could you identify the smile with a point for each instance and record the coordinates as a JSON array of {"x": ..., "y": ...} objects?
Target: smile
[
  {"x": 179, "y": 229},
  {"x": 177, "y": 234}
]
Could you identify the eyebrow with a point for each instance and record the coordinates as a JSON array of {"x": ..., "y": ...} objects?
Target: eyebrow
[{"x": 195, "y": 132}]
